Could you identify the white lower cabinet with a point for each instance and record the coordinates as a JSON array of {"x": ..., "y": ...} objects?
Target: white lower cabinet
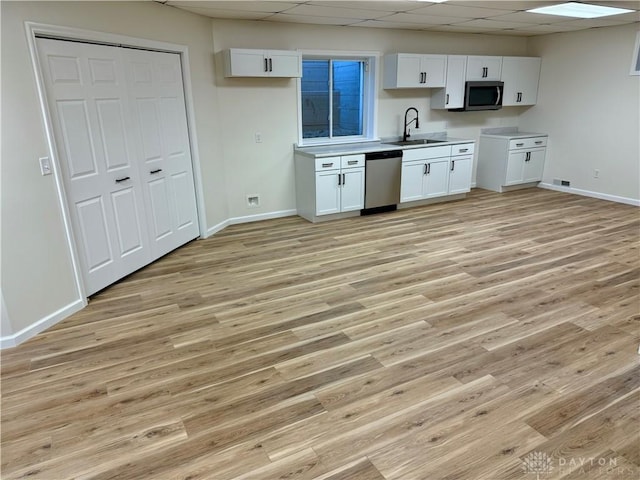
[
  {"x": 525, "y": 166},
  {"x": 505, "y": 161},
  {"x": 329, "y": 185},
  {"x": 436, "y": 172},
  {"x": 339, "y": 191}
]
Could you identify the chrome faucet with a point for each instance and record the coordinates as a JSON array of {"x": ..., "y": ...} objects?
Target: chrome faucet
[{"x": 406, "y": 133}]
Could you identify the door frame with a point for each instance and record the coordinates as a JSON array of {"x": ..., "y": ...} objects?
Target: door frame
[{"x": 34, "y": 30}]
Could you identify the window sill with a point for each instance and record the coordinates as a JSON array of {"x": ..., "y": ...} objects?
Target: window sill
[{"x": 338, "y": 142}]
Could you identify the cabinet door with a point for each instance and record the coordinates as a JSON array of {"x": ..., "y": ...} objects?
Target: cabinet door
[
  {"x": 515, "y": 167},
  {"x": 456, "y": 71},
  {"x": 411, "y": 183},
  {"x": 460, "y": 174},
  {"x": 283, "y": 63},
  {"x": 247, "y": 63},
  {"x": 520, "y": 76},
  {"x": 528, "y": 81},
  {"x": 352, "y": 190},
  {"x": 436, "y": 179},
  {"x": 327, "y": 192},
  {"x": 534, "y": 165},
  {"x": 483, "y": 68},
  {"x": 409, "y": 71},
  {"x": 434, "y": 68}
]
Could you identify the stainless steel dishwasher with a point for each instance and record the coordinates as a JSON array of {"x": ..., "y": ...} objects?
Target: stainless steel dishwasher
[{"x": 382, "y": 181}]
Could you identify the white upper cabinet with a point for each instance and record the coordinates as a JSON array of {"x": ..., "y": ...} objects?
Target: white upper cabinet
[
  {"x": 409, "y": 70},
  {"x": 239, "y": 62},
  {"x": 520, "y": 76},
  {"x": 452, "y": 96},
  {"x": 483, "y": 68}
]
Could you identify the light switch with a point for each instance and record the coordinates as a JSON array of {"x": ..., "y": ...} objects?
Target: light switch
[{"x": 45, "y": 165}]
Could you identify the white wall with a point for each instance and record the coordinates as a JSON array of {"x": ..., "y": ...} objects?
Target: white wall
[
  {"x": 269, "y": 106},
  {"x": 37, "y": 277},
  {"x": 590, "y": 107}
]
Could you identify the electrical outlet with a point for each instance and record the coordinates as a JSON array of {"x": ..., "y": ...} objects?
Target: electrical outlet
[
  {"x": 596, "y": 173},
  {"x": 258, "y": 137},
  {"x": 45, "y": 165}
]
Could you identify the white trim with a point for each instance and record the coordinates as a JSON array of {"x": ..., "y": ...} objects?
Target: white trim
[
  {"x": 588, "y": 193},
  {"x": 42, "y": 324},
  {"x": 250, "y": 218},
  {"x": 31, "y": 30}
]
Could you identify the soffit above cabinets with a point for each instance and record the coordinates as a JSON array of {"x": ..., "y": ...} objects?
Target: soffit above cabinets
[{"x": 482, "y": 17}]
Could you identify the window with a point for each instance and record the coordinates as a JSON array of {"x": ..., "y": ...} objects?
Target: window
[{"x": 337, "y": 96}]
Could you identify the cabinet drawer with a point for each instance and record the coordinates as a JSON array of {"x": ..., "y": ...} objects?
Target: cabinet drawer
[
  {"x": 426, "y": 153},
  {"x": 528, "y": 143},
  {"x": 351, "y": 161},
  {"x": 464, "y": 149},
  {"x": 327, "y": 163}
]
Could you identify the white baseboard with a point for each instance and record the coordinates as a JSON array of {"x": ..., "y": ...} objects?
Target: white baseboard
[
  {"x": 588, "y": 193},
  {"x": 249, "y": 218},
  {"x": 262, "y": 216},
  {"x": 42, "y": 324}
]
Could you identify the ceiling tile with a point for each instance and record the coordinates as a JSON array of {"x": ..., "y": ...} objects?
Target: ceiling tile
[
  {"x": 446, "y": 10},
  {"x": 506, "y": 5},
  {"x": 284, "y": 17},
  {"x": 336, "y": 12},
  {"x": 423, "y": 19},
  {"x": 525, "y": 17},
  {"x": 385, "y": 24},
  {"x": 234, "y": 14},
  {"x": 243, "y": 6},
  {"x": 482, "y": 23},
  {"x": 386, "y": 6},
  {"x": 457, "y": 28}
]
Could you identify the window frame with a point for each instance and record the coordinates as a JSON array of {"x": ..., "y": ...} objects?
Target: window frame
[{"x": 370, "y": 97}]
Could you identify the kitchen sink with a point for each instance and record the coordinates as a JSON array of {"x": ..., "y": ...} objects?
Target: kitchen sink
[{"x": 422, "y": 141}]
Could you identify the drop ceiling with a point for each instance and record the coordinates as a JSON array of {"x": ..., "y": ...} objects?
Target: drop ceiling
[{"x": 480, "y": 17}]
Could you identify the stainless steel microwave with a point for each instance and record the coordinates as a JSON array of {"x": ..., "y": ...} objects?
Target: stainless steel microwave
[{"x": 482, "y": 95}]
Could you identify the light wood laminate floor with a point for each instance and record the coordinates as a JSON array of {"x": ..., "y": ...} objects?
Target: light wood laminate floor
[{"x": 490, "y": 338}]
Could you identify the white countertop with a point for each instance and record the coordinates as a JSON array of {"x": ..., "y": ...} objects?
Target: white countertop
[
  {"x": 509, "y": 132},
  {"x": 368, "y": 147}
]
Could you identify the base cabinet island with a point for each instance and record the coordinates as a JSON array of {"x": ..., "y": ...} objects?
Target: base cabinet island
[{"x": 331, "y": 181}]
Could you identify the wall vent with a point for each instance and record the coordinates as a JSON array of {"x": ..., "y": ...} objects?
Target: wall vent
[{"x": 563, "y": 183}]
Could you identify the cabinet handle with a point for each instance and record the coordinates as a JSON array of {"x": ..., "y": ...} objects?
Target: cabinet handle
[
  {"x": 519, "y": 97},
  {"x": 327, "y": 165},
  {"x": 339, "y": 179},
  {"x": 344, "y": 179},
  {"x": 352, "y": 162},
  {"x": 462, "y": 150},
  {"x": 447, "y": 101},
  {"x": 271, "y": 64},
  {"x": 425, "y": 169},
  {"x": 123, "y": 179},
  {"x": 157, "y": 170},
  {"x": 266, "y": 65},
  {"x": 539, "y": 142},
  {"x": 485, "y": 72},
  {"x": 453, "y": 165},
  {"x": 527, "y": 157},
  {"x": 519, "y": 144}
]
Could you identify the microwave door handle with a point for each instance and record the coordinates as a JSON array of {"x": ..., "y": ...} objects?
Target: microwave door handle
[{"x": 499, "y": 96}]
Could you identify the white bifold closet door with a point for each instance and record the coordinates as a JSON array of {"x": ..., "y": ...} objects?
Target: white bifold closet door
[{"x": 120, "y": 126}]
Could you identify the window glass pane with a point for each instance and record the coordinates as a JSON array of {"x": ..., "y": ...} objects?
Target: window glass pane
[
  {"x": 347, "y": 97},
  {"x": 315, "y": 98}
]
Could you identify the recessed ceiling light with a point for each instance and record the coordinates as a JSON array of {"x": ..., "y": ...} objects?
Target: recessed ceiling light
[{"x": 579, "y": 10}]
